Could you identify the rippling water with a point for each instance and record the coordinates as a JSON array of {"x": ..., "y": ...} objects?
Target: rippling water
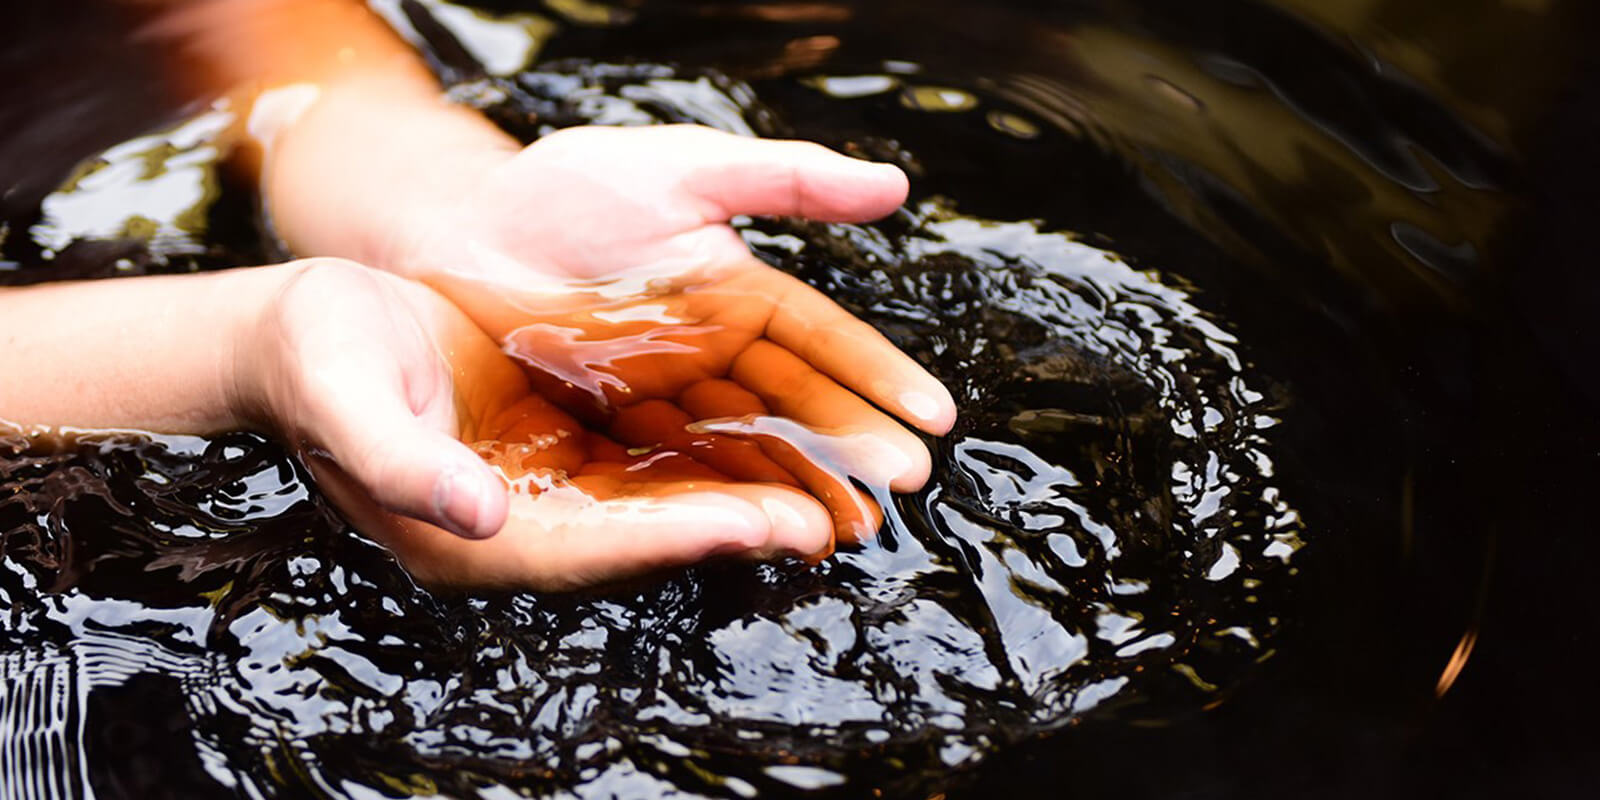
[{"x": 1113, "y": 535}]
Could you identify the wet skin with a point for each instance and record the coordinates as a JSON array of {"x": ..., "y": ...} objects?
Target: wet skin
[{"x": 644, "y": 430}]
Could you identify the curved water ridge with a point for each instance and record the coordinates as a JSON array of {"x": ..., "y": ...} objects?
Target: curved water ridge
[{"x": 1104, "y": 537}]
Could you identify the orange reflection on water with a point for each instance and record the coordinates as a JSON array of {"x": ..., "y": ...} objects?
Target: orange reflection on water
[{"x": 1458, "y": 660}]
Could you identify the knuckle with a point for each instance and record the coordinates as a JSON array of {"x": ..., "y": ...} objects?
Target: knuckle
[
  {"x": 328, "y": 267},
  {"x": 318, "y": 277}
]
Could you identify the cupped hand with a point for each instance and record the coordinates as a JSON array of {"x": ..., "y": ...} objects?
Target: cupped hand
[
  {"x": 429, "y": 438},
  {"x": 602, "y": 259}
]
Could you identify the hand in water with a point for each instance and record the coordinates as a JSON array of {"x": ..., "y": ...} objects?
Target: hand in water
[
  {"x": 590, "y": 202},
  {"x": 401, "y": 405},
  {"x": 600, "y": 256},
  {"x": 602, "y": 259}
]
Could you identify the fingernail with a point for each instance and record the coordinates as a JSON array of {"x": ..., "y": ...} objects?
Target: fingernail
[
  {"x": 460, "y": 501},
  {"x": 785, "y": 520},
  {"x": 921, "y": 405},
  {"x": 738, "y": 524},
  {"x": 890, "y": 466},
  {"x": 861, "y": 532},
  {"x": 790, "y": 529}
]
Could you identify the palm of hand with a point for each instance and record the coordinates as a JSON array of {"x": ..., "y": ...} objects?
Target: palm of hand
[
  {"x": 714, "y": 388},
  {"x": 738, "y": 368},
  {"x": 386, "y": 387},
  {"x": 584, "y": 510}
]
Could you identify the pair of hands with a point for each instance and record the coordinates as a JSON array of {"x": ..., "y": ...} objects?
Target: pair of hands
[{"x": 597, "y": 379}]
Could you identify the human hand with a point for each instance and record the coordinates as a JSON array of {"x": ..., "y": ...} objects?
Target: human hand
[
  {"x": 381, "y": 383},
  {"x": 358, "y": 157},
  {"x": 602, "y": 258},
  {"x": 591, "y": 202},
  {"x": 739, "y": 366}
]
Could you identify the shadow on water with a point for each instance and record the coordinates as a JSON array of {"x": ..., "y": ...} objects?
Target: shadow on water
[{"x": 1268, "y": 332}]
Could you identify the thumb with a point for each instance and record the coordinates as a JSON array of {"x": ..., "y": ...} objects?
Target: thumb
[
  {"x": 432, "y": 477},
  {"x": 741, "y": 175},
  {"x": 418, "y": 471}
]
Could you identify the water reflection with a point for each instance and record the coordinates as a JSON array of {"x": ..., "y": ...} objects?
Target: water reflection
[
  {"x": 156, "y": 189},
  {"x": 1268, "y": 134}
]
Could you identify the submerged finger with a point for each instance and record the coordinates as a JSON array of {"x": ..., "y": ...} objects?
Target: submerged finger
[
  {"x": 814, "y": 458},
  {"x": 821, "y": 461},
  {"x": 568, "y": 539},
  {"x": 658, "y": 423},
  {"x": 855, "y": 354},
  {"x": 719, "y": 397},
  {"x": 871, "y": 445}
]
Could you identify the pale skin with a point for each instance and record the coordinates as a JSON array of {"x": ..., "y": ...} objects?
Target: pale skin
[
  {"x": 587, "y": 278},
  {"x": 381, "y": 382}
]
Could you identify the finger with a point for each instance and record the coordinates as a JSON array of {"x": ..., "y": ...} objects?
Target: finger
[
  {"x": 568, "y": 539},
  {"x": 725, "y": 402},
  {"x": 717, "y": 397},
  {"x": 873, "y": 447},
  {"x": 743, "y": 175},
  {"x": 814, "y": 459},
  {"x": 850, "y": 351},
  {"x": 407, "y": 466},
  {"x": 660, "y": 423},
  {"x": 799, "y": 524},
  {"x": 672, "y": 526}
]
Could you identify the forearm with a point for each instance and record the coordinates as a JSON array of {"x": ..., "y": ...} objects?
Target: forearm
[
  {"x": 347, "y": 129},
  {"x": 266, "y": 43},
  {"x": 157, "y": 354},
  {"x": 354, "y": 173}
]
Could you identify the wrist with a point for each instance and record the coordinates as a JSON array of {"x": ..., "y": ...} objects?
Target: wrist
[
  {"x": 249, "y": 363},
  {"x": 433, "y": 209},
  {"x": 366, "y": 171}
]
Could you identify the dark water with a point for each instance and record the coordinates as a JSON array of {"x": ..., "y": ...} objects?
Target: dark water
[{"x": 1262, "y": 430}]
